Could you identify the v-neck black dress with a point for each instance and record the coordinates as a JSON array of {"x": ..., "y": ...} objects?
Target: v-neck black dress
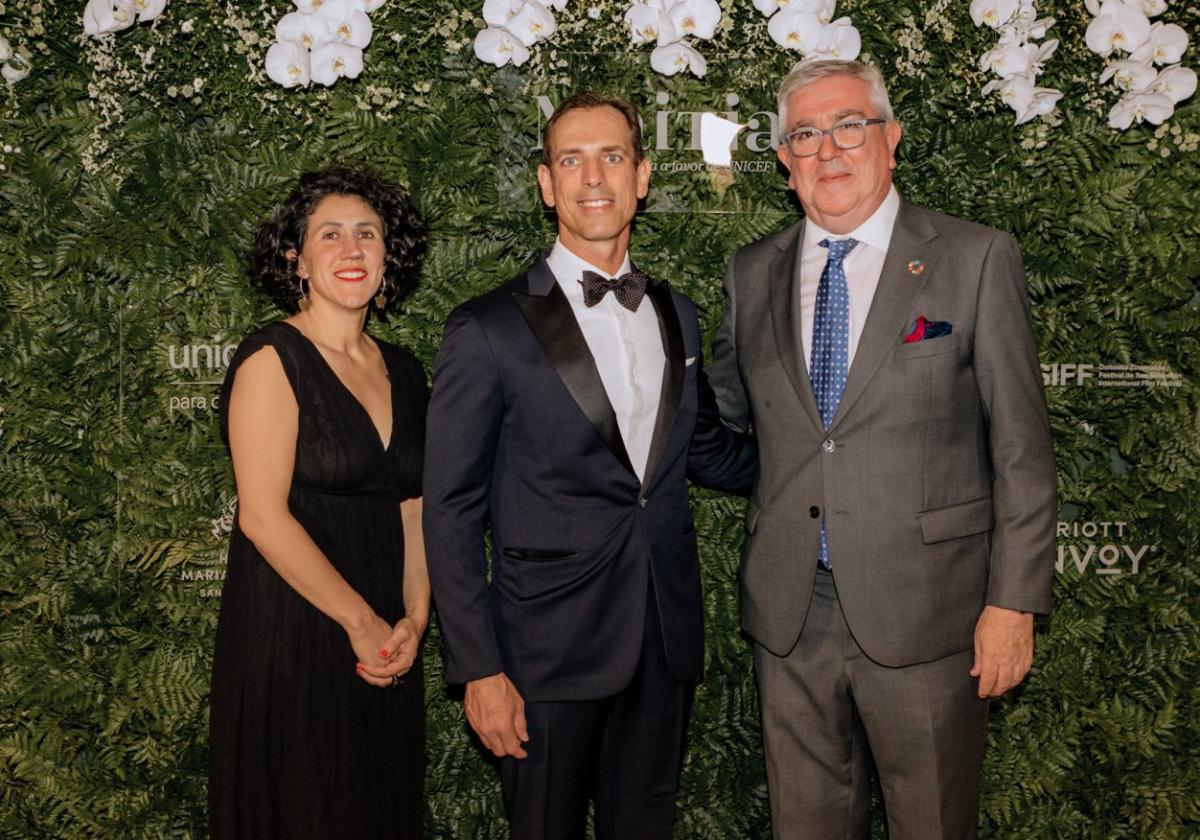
[{"x": 301, "y": 747}]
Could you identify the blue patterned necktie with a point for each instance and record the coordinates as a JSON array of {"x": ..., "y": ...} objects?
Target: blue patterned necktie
[{"x": 831, "y": 344}]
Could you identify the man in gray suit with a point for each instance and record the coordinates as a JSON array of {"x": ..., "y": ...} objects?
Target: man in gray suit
[{"x": 901, "y": 536}]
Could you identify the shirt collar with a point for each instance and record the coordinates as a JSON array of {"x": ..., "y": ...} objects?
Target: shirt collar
[
  {"x": 875, "y": 232},
  {"x": 568, "y": 268}
]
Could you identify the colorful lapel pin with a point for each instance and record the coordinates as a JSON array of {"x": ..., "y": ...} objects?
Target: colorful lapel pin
[{"x": 916, "y": 267}]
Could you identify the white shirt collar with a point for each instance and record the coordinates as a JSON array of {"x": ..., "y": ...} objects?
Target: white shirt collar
[
  {"x": 568, "y": 268},
  {"x": 876, "y": 231}
]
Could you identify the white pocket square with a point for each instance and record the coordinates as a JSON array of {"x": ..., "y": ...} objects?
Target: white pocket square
[{"x": 690, "y": 360}]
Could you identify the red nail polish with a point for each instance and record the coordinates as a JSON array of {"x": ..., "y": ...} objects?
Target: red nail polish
[{"x": 383, "y": 652}]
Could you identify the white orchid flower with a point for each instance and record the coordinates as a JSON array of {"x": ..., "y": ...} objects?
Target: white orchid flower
[
  {"x": 1165, "y": 45},
  {"x": 558, "y": 5},
  {"x": 1175, "y": 82},
  {"x": 1117, "y": 27},
  {"x": 795, "y": 30},
  {"x": 647, "y": 23},
  {"x": 837, "y": 40},
  {"x": 308, "y": 7},
  {"x": 288, "y": 64},
  {"x": 307, "y": 30},
  {"x": 992, "y": 13},
  {"x": 1008, "y": 60},
  {"x": 531, "y": 24},
  {"x": 372, "y": 5},
  {"x": 767, "y": 7},
  {"x": 1153, "y": 108},
  {"x": 1153, "y": 8},
  {"x": 5, "y": 49},
  {"x": 149, "y": 9},
  {"x": 1129, "y": 75},
  {"x": 15, "y": 69},
  {"x": 1026, "y": 99},
  {"x": 347, "y": 22},
  {"x": 500, "y": 12},
  {"x": 101, "y": 16},
  {"x": 698, "y": 18},
  {"x": 499, "y": 47},
  {"x": 672, "y": 58},
  {"x": 333, "y": 60}
]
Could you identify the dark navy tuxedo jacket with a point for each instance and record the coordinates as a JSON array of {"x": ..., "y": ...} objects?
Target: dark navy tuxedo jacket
[{"x": 522, "y": 439}]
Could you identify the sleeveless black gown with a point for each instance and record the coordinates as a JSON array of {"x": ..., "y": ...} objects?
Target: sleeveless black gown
[{"x": 301, "y": 747}]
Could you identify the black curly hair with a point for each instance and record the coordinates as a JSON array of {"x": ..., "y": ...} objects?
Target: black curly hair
[{"x": 403, "y": 231}]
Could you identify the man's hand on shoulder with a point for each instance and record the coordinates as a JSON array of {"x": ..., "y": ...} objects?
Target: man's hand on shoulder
[
  {"x": 1003, "y": 649},
  {"x": 496, "y": 712}
]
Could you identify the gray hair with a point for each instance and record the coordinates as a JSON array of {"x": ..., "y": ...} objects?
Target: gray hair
[{"x": 806, "y": 72}]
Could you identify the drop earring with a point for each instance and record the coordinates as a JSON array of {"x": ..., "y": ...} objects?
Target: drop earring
[
  {"x": 381, "y": 298},
  {"x": 304, "y": 302}
]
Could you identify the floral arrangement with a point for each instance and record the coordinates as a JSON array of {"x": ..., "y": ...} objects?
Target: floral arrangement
[
  {"x": 513, "y": 26},
  {"x": 103, "y": 16},
  {"x": 322, "y": 41},
  {"x": 1121, "y": 31},
  {"x": 667, "y": 24},
  {"x": 1017, "y": 60},
  {"x": 808, "y": 27}
]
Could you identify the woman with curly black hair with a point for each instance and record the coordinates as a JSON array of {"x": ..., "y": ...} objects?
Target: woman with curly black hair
[{"x": 317, "y": 709}]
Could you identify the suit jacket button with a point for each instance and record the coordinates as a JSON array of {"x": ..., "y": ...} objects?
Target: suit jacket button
[
  {"x": 814, "y": 511},
  {"x": 829, "y": 445},
  {"x": 642, "y": 501}
]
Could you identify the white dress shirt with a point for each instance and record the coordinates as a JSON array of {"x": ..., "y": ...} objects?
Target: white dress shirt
[
  {"x": 627, "y": 347},
  {"x": 863, "y": 267}
]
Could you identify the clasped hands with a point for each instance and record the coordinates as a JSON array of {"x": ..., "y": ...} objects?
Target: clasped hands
[{"x": 385, "y": 653}]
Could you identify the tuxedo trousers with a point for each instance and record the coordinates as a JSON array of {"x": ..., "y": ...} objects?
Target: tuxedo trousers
[
  {"x": 624, "y": 752},
  {"x": 829, "y": 712}
]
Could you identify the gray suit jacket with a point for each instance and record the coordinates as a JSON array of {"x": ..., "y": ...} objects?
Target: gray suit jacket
[{"x": 936, "y": 477}]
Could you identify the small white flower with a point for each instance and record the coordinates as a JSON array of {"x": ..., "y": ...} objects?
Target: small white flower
[
  {"x": 101, "y": 16},
  {"x": 1117, "y": 27},
  {"x": 558, "y": 5},
  {"x": 1129, "y": 75},
  {"x": 287, "y": 64},
  {"x": 672, "y": 58},
  {"x": 149, "y": 9},
  {"x": 1175, "y": 82},
  {"x": 992, "y": 13},
  {"x": 649, "y": 24},
  {"x": 838, "y": 40},
  {"x": 332, "y": 61},
  {"x": 307, "y": 30},
  {"x": 187, "y": 26},
  {"x": 594, "y": 12},
  {"x": 532, "y": 23},
  {"x": 499, "y": 47},
  {"x": 795, "y": 30},
  {"x": 698, "y": 18},
  {"x": 1166, "y": 44},
  {"x": 1153, "y": 108},
  {"x": 5, "y": 49}
]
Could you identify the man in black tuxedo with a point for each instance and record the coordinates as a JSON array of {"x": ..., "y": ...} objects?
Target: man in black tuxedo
[{"x": 567, "y": 418}]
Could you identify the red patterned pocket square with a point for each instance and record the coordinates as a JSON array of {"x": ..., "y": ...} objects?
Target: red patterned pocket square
[{"x": 923, "y": 329}]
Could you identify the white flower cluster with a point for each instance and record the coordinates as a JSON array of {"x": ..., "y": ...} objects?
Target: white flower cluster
[
  {"x": 15, "y": 66},
  {"x": 320, "y": 42},
  {"x": 666, "y": 23},
  {"x": 1016, "y": 60},
  {"x": 103, "y": 16},
  {"x": 808, "y": 26},
  {"x": 513, "y": 26},
  {"x": 1123, "y": 27}
]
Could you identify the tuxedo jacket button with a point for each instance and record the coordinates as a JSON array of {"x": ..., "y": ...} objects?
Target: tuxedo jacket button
[
  {"x": 814, "y": 511},
  {"x": 829, "y": 445},
  {"x": 642, "y": 501}
]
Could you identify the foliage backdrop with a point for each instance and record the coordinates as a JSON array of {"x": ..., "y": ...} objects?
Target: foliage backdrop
[{"x": 134, "y": 168}]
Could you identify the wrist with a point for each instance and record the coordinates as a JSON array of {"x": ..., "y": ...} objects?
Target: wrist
[{"x": 358, "y": 619}]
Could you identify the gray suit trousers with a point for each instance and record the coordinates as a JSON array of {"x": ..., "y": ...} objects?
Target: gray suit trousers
[{"x": 828, "y": 710}]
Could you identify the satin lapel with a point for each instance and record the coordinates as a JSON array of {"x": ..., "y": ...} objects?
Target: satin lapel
[
  {"x": 895, "y": 296},
  {"x": 672, "y": 386},
  {"x": 553, "y": 324},
  {"x": 786, "y": 318}
]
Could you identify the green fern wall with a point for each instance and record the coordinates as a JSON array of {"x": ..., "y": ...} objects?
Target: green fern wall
[{"x": 127, "y": 193}]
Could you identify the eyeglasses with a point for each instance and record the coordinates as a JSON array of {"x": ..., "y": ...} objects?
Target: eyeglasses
[{"x": 806, "y": 140}]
